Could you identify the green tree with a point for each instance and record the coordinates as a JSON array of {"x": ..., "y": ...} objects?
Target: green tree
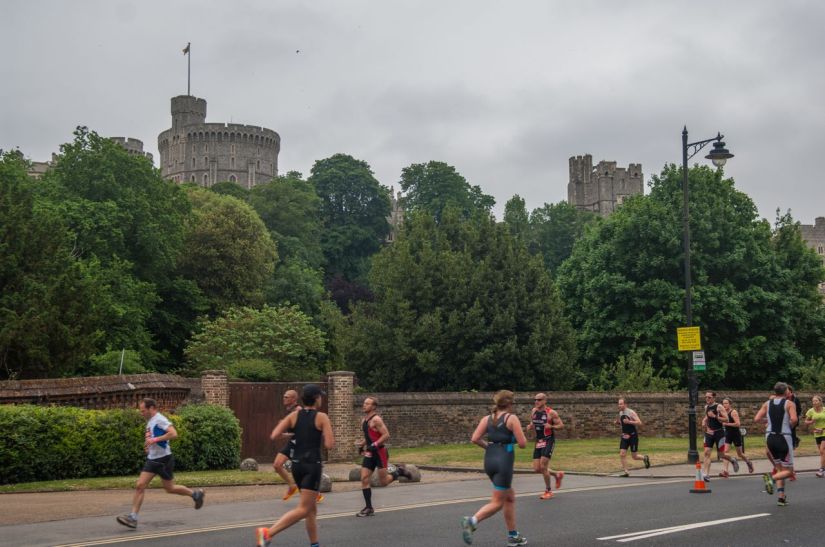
[
  {"x": 50, "y": 317},
  {"x": 433, "y": 186},
  {"x": 283, "y": 338},
  {"x": 623, "y": 284},
  {"x": 230, "y": 189},
  {"x": 354, "y": 211},
  {"x": 631, "y": 372},
  {"x": 517, "y": 219},
  {"x": 554, "y": 228},
  {"x": 228, "y": 251},
  {"x": 459, "y": 305}
]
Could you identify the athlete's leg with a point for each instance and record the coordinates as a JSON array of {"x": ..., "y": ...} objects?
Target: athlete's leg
[
  {"x": 544, "y": 469},
  {"x": 140, "y": 488},
  {"x": 821, "y": 448},
  {"x": 510, "y": 509},
  {"x": 708, "y": 450},
  {"x": 384, "y": 478},
  {"x": 172, "y": 488},
  {"x": 305, "y": 505},
  {"x": 623, "y": 457},
  {"x": 493, "y": 506},
  {"x": 278, "y": 464},
  {"x": 312, "y": 522}
]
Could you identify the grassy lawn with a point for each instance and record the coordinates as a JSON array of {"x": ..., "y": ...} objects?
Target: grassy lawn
[{"x": 584, "y": 455}]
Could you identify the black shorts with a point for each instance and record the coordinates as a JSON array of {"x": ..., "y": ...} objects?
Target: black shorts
[
  {"x": 734, "y": 437},
  {"x": 307, "y": 475},
  {"x": 498, "y": 464},
  {"x": 163, "y": 467},
  {"x": 780, "y": 448},
  {"x": 376, "y": 458},
  {"x": 716, "y": 438},
  {"x": 544, "y": 448},
  {"x": 629, "y": 441},
  {"x": 819, "y": 440},
  {"x": 287, "y": 449}
]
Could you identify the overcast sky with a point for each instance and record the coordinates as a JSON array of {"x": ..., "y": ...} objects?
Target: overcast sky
[{"x": 504, "y": 91}]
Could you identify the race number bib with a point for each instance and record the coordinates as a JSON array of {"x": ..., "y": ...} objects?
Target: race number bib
[
  {"x": 367, "y": 454},
  {"x": 541, "y": 444},
  {"x": 625, "y": 436}
]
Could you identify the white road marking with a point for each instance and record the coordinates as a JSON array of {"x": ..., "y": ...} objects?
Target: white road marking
[
  {"x": 623, "y": 538},
  {"x": 157, "y": 535}
]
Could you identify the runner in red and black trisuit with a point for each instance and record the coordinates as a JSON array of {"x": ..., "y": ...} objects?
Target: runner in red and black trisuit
[
  {"x": 544, "y": 421},
  {"x": 376, "y": 455},
  {"x": 715, "y": 416}
]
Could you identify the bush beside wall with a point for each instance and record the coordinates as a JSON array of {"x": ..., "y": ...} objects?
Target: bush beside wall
[{"x": 53, "y": 443}]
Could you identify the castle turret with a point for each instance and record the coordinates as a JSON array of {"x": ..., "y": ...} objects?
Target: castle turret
[
  {"x": 602, "y": 188},
  {"x": 187, "y": 110}
]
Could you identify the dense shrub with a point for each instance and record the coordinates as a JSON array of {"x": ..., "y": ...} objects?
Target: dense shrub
[{"x": 51, "y": 443}]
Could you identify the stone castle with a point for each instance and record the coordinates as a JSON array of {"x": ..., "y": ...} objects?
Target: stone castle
[
  {"x": 814, "y": 237},
  {"x": 193, "y": 150},
  {"x": 603, "y": 188}
]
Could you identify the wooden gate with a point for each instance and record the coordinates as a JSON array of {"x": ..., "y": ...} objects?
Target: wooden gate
[{"x": 259, "y": 407}]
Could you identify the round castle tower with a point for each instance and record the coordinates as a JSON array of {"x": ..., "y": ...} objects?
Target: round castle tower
[{"x": 205, "y": 153}]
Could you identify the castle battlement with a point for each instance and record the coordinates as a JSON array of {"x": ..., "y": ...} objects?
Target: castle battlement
[
  {"x": 194, "y": 150},
  {"x": 603, "y": 187}
]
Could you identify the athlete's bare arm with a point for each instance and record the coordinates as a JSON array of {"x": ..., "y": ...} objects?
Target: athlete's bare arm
[
  {"x": 171, "y": 433},
  {"x": 734, "y": 418},
  {"x": 634, "y": 418},
  {"x": 377, "y": 424},
  {"x": 283, "y": 425},
  {"x": 283, "y": 433},
  {"x": 478, "y": 434},
  {"x": 555, "y": 421},
  {"x": 322, "y": 422},
  {"x": 762, "y": 414},
  {"x": 790, "y": 407},
  {"x": 514, "y": 425}
]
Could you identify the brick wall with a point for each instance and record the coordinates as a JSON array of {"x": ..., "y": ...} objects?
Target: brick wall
[
  {"x": 416, "y": 419},
  {"x": 340, "y": 390},
  {"x": 215, "y": 386}
]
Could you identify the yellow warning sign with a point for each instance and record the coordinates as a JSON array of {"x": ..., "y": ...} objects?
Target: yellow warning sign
[{"x": 689, "y": 338}]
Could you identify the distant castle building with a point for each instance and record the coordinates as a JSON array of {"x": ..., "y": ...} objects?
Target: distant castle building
[
  {"x": 603, "y": 188},
  {"x": 814, "y": 237},
  {"x": 206, "y": 153},
  {"x": 396, "y": 217},
  {"x": 133, "y": 146}
]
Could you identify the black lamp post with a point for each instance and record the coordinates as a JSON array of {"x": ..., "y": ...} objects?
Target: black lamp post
[{"x": 719, "y": 155}]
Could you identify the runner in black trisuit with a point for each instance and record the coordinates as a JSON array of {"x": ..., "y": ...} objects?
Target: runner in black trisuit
[
  {"x": 312, "y": 431},
  {"x": 733, "y": 436},
  {"x": 375, "y": 455},
  {"x": 503, "y": 431},
  {"x": 781, "y": 416},
  {"x": 628, "y": 420},
  {"x": 715, "y": 416}
]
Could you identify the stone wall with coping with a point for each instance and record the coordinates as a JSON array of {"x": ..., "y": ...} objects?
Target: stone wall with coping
[{"x": 416, "y": 419}]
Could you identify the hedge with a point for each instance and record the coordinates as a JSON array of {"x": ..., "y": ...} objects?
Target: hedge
[{"x": 53, "y": 443}]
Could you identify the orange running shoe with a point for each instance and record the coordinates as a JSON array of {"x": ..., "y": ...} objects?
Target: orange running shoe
[
  {"x": 547, "y": 495},
  {"x": 559, "y": 477},
  {"x": 262, "y": 538},
  {"x": 290, "y": 492},
  {"x": 320, "y": 498}
]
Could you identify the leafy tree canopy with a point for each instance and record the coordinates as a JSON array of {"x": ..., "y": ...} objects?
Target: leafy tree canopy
[
  {"x": 554, "y": 228},
  {"x": 624, "y": 287},
  {"x": 459, "y": 305},
  {"x": 282, "y": 340},
  {"x": 433, "y": 186}
]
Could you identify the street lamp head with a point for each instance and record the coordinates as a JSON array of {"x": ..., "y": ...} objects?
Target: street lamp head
[{"x": 719, "y": 155}]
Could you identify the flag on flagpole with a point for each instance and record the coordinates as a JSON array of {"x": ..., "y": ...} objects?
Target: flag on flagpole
[{"x": 186, "y": 49}]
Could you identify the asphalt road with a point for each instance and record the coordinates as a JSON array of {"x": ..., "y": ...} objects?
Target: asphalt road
[{"x": 588, "y": 511}]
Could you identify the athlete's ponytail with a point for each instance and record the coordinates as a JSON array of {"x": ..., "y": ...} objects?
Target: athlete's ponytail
[{"x": 503, "y": 400}]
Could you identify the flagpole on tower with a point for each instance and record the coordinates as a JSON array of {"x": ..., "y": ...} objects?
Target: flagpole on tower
[{"x": 188, "y": 52}]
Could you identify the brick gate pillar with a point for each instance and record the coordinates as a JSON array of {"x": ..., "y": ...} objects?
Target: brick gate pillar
[
  {"x": 215, "y": 387},
  {"x": 341, "y": 393}
]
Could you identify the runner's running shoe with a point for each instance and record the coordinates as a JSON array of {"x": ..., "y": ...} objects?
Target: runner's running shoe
[
  {"x": 198, "y": 496},
  {"x": 128, "y": 521},
  {"x": 820, "y": 473},
  {"x": 735, "y": 463},
  {"x": 782, "y": 502},
  {"x": 768, "y": 480},
  {"x": 365, "y": 512},
  {"x": 706, "y": 478},
  {"x": 547, "y": 495},
  {"x": 559, "y": 478},
  {"x": 646, "y": 459},
  {"x": 467, "y": 529},
  {"x": 320, "y": 498},
  {"x": 750, "y": 466},
  {"x": 724, "y": 475},
  {"x": 792, "y": 477},
  {"x": 516, "y": 540},
  {"x": 290, "y": 492},
  {"x": 624, "y": 474},
  {"x": 262, "y": 538}
]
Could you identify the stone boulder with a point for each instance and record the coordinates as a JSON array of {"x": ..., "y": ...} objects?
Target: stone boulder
[
  {"x": 326, "y": 483},
  {"x": 249, "y": 464}
]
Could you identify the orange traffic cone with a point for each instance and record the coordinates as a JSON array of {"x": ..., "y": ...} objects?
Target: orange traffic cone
[{"x": 699, "y": 484}]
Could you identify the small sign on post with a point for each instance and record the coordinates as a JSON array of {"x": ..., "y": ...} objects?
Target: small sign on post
[
  {"x": 699, "y": 360},
  {"x": 689, "y": 338}
]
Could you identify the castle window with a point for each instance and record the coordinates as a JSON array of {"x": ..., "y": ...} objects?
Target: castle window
[
  {"x": 206, "y": 179},
  {"x": 259, "y": 165},
  {"x": 205, "y": 161},
  {"x": 259, "y": 150},
  {"x": 193, "y": 161},
  {"x": 192, "y": 179},
  {"x": 206, "y": 147},
  {"x": 232, "y": 178},
  {"x": 232, "y": 148},
  {"x": 232, "y": 162},
  {"x": 821, "y": 250}
]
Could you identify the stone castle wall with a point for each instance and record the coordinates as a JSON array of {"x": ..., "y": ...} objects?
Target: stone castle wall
[
  {"x": 602, "y": 188},
  {"x": 814, "y": 237},
  {"x": 193, "y": 150}
]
